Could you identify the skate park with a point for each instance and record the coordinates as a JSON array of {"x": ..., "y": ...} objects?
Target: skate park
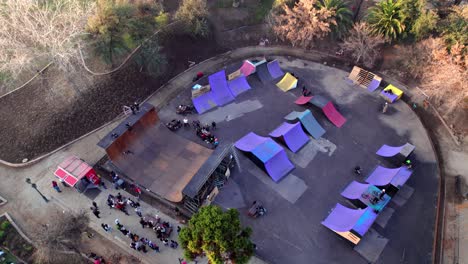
[{"x": 344, "y": 128}]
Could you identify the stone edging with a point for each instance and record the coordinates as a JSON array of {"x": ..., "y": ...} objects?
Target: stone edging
[
  {"x": 4, "y": 201},
  {"x": 17, "y": 228}
]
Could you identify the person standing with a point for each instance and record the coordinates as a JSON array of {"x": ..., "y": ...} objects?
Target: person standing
[
  {"x": 385, "y": 108},
  {"x": 138, "y": 211},
  {"x": 55, "y": 186},
  {"x": 96, "y": 212},
  {"x": 213, "y": 125},
  {"x": 95, "y": 205}
]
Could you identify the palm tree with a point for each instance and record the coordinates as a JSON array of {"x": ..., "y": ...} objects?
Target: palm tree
[
  {"x": 387, "y": 18},
  {"x": 343, "y": 15}
]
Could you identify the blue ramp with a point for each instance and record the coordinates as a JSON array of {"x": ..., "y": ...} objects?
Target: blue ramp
[{"x": 308, "y": 121}]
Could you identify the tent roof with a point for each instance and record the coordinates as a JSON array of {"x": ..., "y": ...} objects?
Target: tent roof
[{"x": 72, "y": 169}]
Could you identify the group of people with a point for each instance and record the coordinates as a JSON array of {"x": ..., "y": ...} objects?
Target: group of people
[
  {"x": 163, "y": 230},
  {"x": 120, "y": 203},
  {"x": 203, "y": 131},
  {"x": 138, "y": 243}
]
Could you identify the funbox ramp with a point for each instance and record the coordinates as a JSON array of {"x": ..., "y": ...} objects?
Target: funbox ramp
[
  {"x": 274, "y": 69},
  {"x": 249, "y": 142},
  {"x": 302, "y": 100},
  {"x": 343, "y": 219},
  {"x": 291, "y": 134},
  {"x": 219, "y": 88},
  {"x": 247, "y": 68},
  {"x": 204, "y": 102},
  {"x": 238, "y": 85},
  {"x": 287, "y": 83},
  {"x": 390, "y": 151},
  {"x": 308, "y": 121},
  {"x": 354, "y": 190}
]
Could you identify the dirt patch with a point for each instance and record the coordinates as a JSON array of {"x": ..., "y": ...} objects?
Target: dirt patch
[
  {"x": 14, "y": 242},
  {"x": 53, "y": 110}
]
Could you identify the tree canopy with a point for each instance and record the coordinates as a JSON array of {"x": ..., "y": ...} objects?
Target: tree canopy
[
  {"x": 217, "y": 234},
  {"x": 387, "y": 18},
  {"x": 362, "y": 45},
  {"x": 194, "y": 14},
  {"x": 343, "y": 15},
  {"x": 303, "y": 23}
]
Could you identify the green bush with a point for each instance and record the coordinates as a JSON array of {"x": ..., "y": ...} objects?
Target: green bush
[
  {"x": 4, "y": 225},
  {"x": 194, "y": 13},
  {"x": 2, "y": 234}
]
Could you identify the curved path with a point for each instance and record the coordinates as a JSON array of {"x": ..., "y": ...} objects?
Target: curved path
[{"x": 32, "y": 210}]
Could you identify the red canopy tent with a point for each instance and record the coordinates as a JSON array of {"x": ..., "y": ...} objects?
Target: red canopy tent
[{"x": 73, "y": 169}]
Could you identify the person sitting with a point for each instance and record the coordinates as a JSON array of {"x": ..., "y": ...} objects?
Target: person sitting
[
  {"x": 357, "y": 170},
  {"x": 382, "y": 194}
]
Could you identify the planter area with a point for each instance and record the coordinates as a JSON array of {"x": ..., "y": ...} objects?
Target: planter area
[{"x": 12, "y": 241}]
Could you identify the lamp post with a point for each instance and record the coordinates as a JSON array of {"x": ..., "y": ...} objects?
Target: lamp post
[{"x": 34, "y": 186}]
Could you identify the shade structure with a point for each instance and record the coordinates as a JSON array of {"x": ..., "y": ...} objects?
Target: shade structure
[
  {"x": 365, "y": 195},
  {"x": 219, "y": 88},
  {"x": 287, "y": 83},
  {"x": 350, "y": 223},
  {"x": 396, "y": 177},
  {"x": 238, "y": 85},
  {"x": 390, "y": 151},
  {"x": 247, "y": 68},
  {"x": 204, "y": 102},
  {"x": 275, "y": 69},
  {"x": 73, "y": 169},
  {"x": 308, "y": 121},
  {"x": 263, "y": 73},
  {"x": 291, "y": 134},
  {"x": 268, "y": 153}
]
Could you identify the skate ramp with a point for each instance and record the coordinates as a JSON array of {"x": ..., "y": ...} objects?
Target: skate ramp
[
  {"x": 333, "y": 115},
  {"x": 389, "y": 151},
  {"x": 302, "y": 100},
  {"x": 274, "y": 69},
  {"x": 382, "y": 176},
  {"x": 292, "y": 135},
  {"x": 238, "y": 85},
  {"x": 263, "y": 73},
  {"x": 204, "y": 102},
  {"x": 308, "y": 121},
  {"x": 354, "y": 190},
  {"x": 249, "y": 142},
  {"x": 247, "y": 68},
  {"x": 319, "y": 101},
  {"x": 288, "y": 82},
  {"x": 219, "y": 88}
]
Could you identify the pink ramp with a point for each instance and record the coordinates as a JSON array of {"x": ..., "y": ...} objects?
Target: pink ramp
[
  {"x": 333, "y": 115},
  {"x": 292, "y": 135},
  {"x": 303, "y": 100},
  {"x": 219, "y": 88},
  {"x": 250, "y": 141},
  {"x": 247, "y": 68}
]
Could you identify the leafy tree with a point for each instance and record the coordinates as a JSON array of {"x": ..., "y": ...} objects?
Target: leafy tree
[
  {"x": 194, "y": 14},
  {"x": 387, "y": 18},
  {"x": 150, "y": 59},
  {"x": 343, "y": 15},
  {"x": 217, "y": 234},
  {"x": 424, "y": 24},
  {"x": 119, "y": 26},
  {"x": 303, "y": 23},
  {"x": 362, "y": 45},
  {"x": 455, "y": 28}
]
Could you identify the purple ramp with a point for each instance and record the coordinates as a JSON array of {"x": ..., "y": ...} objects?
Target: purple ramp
[
  {"x": 275, "y": 69},
  {"x": 279, "y": 166},
  {"x": 365, "y": 221},
  {"x": 389, "y": 151},
  {"x": 373, "y": 85},
  {"x": 382, "y": 176},
  {"x": 238, "y": 85},
  {"x": 354, "y": 190},
  {"x": 342, "y": 219},
  {"x": 401, "y": 177},
  {"x": 292, "y": 134},
  {"x": 204, "y": 102},
  {"x": 220, "y": 89},
  {"x": 391, "y": 97},
  {"x": 250, "y": 141}
]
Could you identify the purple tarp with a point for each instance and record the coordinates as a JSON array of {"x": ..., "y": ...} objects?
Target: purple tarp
[
  {"x": 373, "y": 85},
  {"x": 238, "y": 85},
  {"x": 292, "y": 134},
  {"x": 342, "y": 219},
  {"x": 275, "y": 69},
  {"x": 250, "y": 141},
  {"x": 354, "y": 190},
  {"x": 382, "y": 176},
  {"x": 389, "y": 151},
  {"x": 219, "y": 88},
  {"x": 204, "y": 102}
]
